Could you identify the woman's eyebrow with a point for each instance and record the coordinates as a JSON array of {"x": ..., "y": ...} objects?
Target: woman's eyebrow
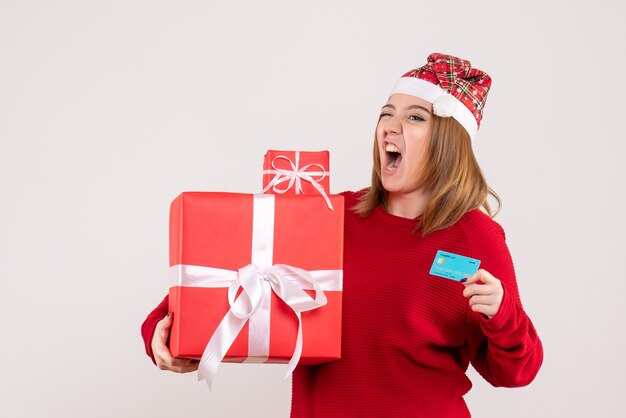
[
  {"x": 419, "y": 107},
  {"x": 409, "y": 108}
]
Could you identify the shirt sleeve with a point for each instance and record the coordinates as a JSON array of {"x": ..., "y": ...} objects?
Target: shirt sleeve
[
  {"x": 149, "y": 325},
  {"x": 505, "y": 349}
]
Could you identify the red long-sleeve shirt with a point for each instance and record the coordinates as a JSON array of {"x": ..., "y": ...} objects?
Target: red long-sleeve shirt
[{"x": 408, "y": 336}]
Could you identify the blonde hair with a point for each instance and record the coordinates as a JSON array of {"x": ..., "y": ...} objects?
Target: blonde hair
[{"x": 450, "y": 174}]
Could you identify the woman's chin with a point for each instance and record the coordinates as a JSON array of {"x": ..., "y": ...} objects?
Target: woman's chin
[{"x": 390, "y": 185}]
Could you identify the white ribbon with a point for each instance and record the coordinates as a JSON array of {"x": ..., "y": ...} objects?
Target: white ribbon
[
  {"x": 295, "y": 177},
  {"x": 287, "y": 282}
]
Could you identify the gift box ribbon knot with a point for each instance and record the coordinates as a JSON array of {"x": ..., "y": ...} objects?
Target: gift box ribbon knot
[{"x": 294, "y": 177}]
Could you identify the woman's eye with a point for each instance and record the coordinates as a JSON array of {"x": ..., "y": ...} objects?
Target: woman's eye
[
  {"x": 416, "y": 117},
  {"x": 382, "y": 115}
]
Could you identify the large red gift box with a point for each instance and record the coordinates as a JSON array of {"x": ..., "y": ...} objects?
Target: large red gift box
[
  {"x": 296, "y": 172},
  {"x": 210, "y": 230}
]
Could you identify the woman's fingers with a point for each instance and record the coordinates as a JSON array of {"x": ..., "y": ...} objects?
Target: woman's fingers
[
  {"x": 161, "y": 333},
  {"x": 484, "y": 293},
  {"x": 162, "y": 354},
  {"x": 477, "y": 289},
  {"x": 481, "y": 275},
  {"x": 482, "y": 300},
  {"x": 488, "y": 310},
  {"x": 179, "y": 365},
  {"x": 166, "y": 322}
]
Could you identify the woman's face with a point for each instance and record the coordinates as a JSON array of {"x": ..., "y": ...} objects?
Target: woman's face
[{"x": 402, "y": 136}]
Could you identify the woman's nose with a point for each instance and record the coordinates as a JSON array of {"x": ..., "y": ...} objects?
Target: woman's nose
[{"x": 393, "y": 126}]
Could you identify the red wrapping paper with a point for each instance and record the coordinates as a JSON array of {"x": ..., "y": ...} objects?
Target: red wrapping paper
[{"x": 215, "y": 230}]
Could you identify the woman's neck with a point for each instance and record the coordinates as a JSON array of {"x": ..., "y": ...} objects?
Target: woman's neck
[{"x": 407, "y": 205}]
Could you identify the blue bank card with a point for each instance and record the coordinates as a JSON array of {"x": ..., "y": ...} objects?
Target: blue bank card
[{"x": 453, "y": 266}]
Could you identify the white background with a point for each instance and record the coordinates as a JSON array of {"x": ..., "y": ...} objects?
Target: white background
[{"x": 108, "y": 110}]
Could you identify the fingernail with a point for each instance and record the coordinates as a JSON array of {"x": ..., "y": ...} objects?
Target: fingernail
[{"x": 463, "y": 280}]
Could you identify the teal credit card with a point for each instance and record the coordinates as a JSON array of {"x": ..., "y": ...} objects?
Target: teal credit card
[{"x": 453, "y": 266}]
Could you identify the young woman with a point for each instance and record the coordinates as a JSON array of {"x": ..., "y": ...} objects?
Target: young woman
[{"x": 409, "y": 336}]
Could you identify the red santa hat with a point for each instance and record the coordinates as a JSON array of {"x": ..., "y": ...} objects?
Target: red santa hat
[{"x": 454, "y": 88}]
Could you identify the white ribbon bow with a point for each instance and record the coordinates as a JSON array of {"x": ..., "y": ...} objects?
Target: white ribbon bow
[
  {"x": 287, "y": 282},
  {"x": 295, "y": 177}
]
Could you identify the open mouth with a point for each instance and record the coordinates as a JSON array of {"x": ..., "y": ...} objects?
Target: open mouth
[{"x": 393, "y": 156}]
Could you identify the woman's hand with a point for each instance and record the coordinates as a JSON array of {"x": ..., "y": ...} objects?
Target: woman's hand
[
  {"x": 484, "y": 297},
  {"x": 162, "y": 354}
]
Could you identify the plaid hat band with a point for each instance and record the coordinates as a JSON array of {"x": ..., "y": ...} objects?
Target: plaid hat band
[{"x": 454, "y": 88}]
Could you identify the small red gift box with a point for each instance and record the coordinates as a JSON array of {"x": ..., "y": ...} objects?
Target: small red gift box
[
  {"x": 296, "y": 172},
  {"x": 280, "y": 249}
]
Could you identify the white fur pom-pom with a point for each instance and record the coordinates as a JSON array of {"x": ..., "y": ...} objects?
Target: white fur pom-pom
[{"x": 444, "y": 105}]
